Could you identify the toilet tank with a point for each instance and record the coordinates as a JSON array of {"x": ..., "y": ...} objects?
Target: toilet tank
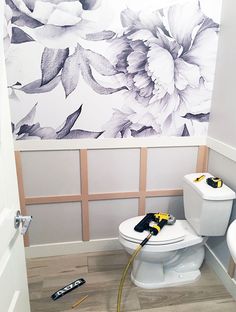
[{"x": 207, "y": 209}]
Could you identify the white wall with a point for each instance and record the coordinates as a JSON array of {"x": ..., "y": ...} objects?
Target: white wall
[
  {"x": 225, "y": 168},
  {"x": 222, "y": 124}
]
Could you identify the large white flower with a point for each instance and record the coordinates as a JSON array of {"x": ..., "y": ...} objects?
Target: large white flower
[
  {"x": 169, "y": 65},
  {"x": 58, "y": 23}
]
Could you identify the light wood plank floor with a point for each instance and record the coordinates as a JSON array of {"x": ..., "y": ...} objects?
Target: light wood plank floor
[{"x": 102, "y": 272}]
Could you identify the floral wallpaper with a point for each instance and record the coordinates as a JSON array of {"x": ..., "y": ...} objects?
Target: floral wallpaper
[{"x": 110, "y": 69}]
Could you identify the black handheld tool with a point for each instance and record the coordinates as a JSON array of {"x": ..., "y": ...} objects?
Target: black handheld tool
[
  {"x": 61, "y": 292},
  {"x": 154, "y": 222}
]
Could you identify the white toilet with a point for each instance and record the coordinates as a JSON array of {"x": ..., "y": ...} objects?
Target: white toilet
[{"x": 174, "y": 256}]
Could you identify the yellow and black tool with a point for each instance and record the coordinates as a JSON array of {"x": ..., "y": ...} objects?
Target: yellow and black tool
[
  {"x": 214, "y": 182},
  {"x": 199, "y": 179},
  {"x": 154, "y": 222}
]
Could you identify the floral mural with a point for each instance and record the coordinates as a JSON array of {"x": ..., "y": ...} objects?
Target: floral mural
[{"x": 110, "y": 69}]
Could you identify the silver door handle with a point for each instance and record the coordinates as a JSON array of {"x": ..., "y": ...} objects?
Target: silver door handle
[{"x": 24, "y": 220}]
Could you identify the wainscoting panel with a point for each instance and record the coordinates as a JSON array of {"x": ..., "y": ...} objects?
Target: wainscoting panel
[
  {"x": 83, "y": 194},
  {"x": 172, "y": 204},
  {"x": 106, "y": 216},
  {"x": 55, "y": 223},
  {"x": 51, "y": 172},
  {"x": 113, "y": 170},
  {"x": 167, "y": 166}
]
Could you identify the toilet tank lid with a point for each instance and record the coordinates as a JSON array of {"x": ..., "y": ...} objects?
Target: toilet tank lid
[{"x": 206, "y": 191}]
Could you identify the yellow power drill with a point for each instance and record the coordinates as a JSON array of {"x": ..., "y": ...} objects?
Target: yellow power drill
[{"x": 154, "y": 222}]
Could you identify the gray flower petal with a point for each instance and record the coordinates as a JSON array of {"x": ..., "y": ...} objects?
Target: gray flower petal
[
  {"x": 136, "y": 61},
  {"x": 208, "y": 23},
  {"x": 129, "y": 18},
  {"x": 183, "y": 18}
]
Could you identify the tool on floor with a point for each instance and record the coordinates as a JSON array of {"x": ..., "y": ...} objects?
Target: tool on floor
[
  {"x": 79, "y": 302},
  {"x": 214, "y": 182},
  {"x": 61, "y": 292},
  {"x": 153, "y": 223},
  {"x": 199, "y": 179}
]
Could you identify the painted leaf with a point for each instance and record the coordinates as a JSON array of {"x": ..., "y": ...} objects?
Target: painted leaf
[
  {"x": 88, "y": 77},
  {"x": 28, "y": 128},
  {"x": 69, "y": 123},
  {"x": 100, "y": 63},
  {"x": 19, "y": 36},
  {"x": 70, "y": 74},
  {"x": 102, "y": 35},
  {"x": 17, "y": 84},
  {"x": 36, "y": 87},
  {"x": 37, "y": 131},
  {"x": 82, "y": 134},
  {"x": 88, "y": 4},
  {"x": 199, "y": 117},
  {"x": 25, "y": 20},
  {"x": 185, "y": 131},
  {"x": 44, "y": 133},
  {"x": 143, "y": 132},
  {"x": 28, "y": 119},
  {"x": 52, "y": 62},
  {"x": 12, "y": 127}
]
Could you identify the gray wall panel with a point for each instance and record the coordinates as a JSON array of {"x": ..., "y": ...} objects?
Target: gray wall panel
[
  {"x": 106, "y": 216},
  {"x": 51, "y": 172},
  {"x": 55, "y": 223},
  {"x": 113, "y": 170},
  {"x": 167, "y": 166}
]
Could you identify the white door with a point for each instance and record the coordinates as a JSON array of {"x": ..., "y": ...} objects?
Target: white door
[{"x": 13, "y": 282}]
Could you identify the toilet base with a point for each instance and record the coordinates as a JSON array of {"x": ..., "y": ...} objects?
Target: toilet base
[{"x": 172, "y": 278}]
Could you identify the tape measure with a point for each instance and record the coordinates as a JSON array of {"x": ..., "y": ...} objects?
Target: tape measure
[{"x": 214, "y": 182}]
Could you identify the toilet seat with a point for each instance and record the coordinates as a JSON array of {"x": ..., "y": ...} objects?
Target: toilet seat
[{"x": 178, "y": 235}]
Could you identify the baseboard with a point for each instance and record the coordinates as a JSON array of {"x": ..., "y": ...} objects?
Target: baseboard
[
  {"x": 221, "y": 272},
  {"x": 66, "y": 248}
]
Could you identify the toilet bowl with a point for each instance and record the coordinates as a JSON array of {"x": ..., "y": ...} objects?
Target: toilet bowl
[
  {"x": 171, "y": 258},
  {"x": 175, "y": 255}
]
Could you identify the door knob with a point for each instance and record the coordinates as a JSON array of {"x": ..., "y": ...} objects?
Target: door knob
[{"x": 24, "y": 220}]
